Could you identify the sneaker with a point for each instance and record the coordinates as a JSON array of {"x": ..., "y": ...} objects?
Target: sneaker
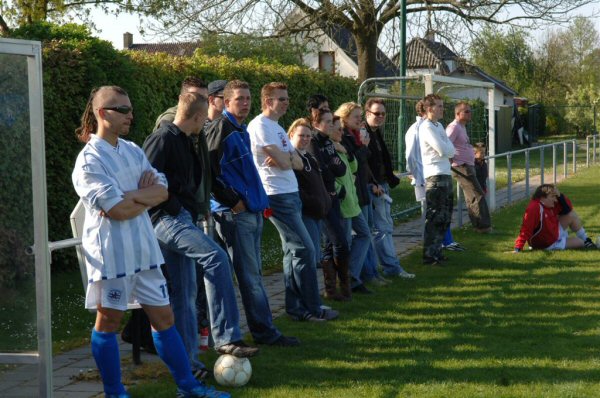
[
  {"x": 378, "y": 282},
  {"x": 406, "y": 275},
  {"x": 454, "y": 246},
  {"x": 285, "y": 341},
  {"x": 325, "y": 315},
  {"x": 362, "y": 289},
  {"x": 238, "y": 349},
  {"x": 325, "y": 307},
  {"x": 202, "y": 391},
  {"x": 588, "y": 244},
  {"x": 382, "y": 279}
]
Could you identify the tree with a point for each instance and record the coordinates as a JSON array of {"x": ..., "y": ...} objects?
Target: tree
[
  {"x": 364, "y": 19},
  {"x": 505, "y": 55},
  {"x": 16, "y": 13}
]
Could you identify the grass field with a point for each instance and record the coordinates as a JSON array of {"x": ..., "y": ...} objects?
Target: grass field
[{"x": 489, "y": 324}]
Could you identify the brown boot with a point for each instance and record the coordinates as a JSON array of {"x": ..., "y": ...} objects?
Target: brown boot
[
  {"x": 343, "y": 273},
  {"x": 329, "y": 280}
]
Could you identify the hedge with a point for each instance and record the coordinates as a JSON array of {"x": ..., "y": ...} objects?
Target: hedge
[{"x": 74, "y": 62}]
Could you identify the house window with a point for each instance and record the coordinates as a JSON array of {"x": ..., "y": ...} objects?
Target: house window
[{"x": 327, "y": 61}]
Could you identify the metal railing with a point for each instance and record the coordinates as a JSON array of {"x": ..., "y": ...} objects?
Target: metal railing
[{"x": 568, "y": 147}]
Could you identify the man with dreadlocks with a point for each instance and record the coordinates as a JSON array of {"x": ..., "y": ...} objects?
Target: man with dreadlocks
[{"x": 117, "y": 186}]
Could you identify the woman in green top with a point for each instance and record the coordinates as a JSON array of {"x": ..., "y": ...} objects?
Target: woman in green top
[{"x": 350, "y": 208}]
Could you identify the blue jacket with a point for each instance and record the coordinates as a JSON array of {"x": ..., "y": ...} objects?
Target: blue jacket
[{"x": 233, "y": 171}]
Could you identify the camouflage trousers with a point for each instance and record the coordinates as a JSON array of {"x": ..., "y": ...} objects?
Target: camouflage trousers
[{"x": 438, "y": 215}]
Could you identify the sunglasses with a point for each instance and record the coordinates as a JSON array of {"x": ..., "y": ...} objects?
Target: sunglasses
[
  {"x": 378, "y": 114},
  {"x": 124, "y": 109}
]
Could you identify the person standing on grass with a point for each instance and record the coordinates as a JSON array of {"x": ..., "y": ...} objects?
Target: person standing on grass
[
  {"x": 380, "y": 163},
  {"x": 436, "y": 152},
  {"x": 170, "y": 151},
  {"x": 239, "y": 200},
  {"x": 414, "y": 165},
  {"x": 276, "y": 159},
  {"x": 547, "y": 220},
  {"x": 336, "y": 254},
  {"x": 463, "y": 168},
  {"x": 350, "y": 116},
  {"x": 117, "y": 185}
]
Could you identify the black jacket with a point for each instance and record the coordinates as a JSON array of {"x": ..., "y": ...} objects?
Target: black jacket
[
  {"x": 380, "y": 160},
  {"x": 330, "y": 163},
  {"x": 316, "y": 200},
  {"x": 171, "y": 152}
]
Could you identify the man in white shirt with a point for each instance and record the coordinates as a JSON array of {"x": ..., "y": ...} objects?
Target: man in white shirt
[
  {"x": 117, "y": 185},
  {"x": 275, "y": 159}
]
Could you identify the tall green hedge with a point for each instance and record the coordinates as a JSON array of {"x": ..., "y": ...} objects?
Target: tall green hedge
[{"x": 74, "y": 62}]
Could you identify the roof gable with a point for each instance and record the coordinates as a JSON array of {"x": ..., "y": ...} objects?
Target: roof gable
[{"x": 342, "y": 37}]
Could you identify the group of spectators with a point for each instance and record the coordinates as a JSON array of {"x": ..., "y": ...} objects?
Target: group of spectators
[{"x": 324, "y": 184}]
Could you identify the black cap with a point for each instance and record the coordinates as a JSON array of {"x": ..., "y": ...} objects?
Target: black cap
[{"x": 216, "y": 86}]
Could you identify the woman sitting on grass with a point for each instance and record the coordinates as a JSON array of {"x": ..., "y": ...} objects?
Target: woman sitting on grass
[{"x": 547, "y": 220}]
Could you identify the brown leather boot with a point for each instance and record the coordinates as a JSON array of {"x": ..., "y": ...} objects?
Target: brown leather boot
[
  {"x": 343, "y": 273},
  {"x": 330, "y": 280}
]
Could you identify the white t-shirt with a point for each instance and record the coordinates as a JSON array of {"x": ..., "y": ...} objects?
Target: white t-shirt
[{"x": 264, "y": 131}]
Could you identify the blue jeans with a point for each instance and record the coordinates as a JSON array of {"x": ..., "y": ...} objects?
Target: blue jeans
[
  {"x": 242, "y": 234},
  {"x": 383, "y": 227},
  {"x": 335, "y": 232},
  {"x": 359, "y": 245},
  {"x": 180, "y": 236},
  {"x": 369, "y": 270},
  {"x": 299, "y": 268},
  {"x": 181, "y": 274},
  {"x": 313, "y": 227}
]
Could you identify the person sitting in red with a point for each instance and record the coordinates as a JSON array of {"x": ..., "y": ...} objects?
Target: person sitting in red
[{"x": 546, "y": 222}]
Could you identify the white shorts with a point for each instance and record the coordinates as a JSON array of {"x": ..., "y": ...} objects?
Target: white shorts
[
  {"x": 145, "y": 287},
  {"x": 561, "y": 242}
]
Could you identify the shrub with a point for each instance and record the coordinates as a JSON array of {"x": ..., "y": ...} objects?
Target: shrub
[{"x": 75, "y": 62}]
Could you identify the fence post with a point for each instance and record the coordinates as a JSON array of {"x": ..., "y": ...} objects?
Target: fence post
[
  {"x": 554, "y": 162},
  {"x": 527, "y": 173},
  {"x": 574, "y": 156},
  {"x": 542, "y": 165},
  {"x": 565, "y": 159},
  {"x": 459, "y": 204},
  {"x": 587, "y": 151},
  {"x": 594, "y": 154},
  {"x": 509, "y": 178}
]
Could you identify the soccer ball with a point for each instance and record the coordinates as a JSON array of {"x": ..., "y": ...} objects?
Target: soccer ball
[{"x": 232, "y": 371}]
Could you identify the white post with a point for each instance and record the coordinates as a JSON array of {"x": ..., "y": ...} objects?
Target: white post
[{"x": 492, "y": 149}]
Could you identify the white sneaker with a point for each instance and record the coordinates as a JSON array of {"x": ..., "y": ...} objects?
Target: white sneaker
[
  {"x": 406, "y": 275},
  {"x": 454, "y": 246}
]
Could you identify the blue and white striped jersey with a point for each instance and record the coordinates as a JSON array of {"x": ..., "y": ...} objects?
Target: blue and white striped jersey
[{"x": 101, "y": 176}]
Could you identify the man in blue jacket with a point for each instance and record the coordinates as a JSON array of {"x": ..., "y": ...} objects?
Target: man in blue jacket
[{"x": 239, "y": 201}]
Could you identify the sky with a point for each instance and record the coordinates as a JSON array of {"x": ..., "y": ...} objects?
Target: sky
[{"x": 114, "y": 27}]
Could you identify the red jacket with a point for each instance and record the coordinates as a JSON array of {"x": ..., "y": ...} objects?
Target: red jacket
[{"x": 540, "y": 223}]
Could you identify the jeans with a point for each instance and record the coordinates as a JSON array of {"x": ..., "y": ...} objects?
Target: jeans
[
  {"x": 369, "y": 270},
  {"x": 313, "y": 227},
  {"x": 299, "y": 267},
  {"x": 242, "y": 233},
  {"x": 178, "y": 235},
  {"x": 181, "y": 272},
  {"x": 383, "y": 227},
  {"x": 359, "y": 245},
  {"x": 335, "y": 227}
]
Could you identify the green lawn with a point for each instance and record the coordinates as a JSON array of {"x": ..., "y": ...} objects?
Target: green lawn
[{"x": 490, "y": 324}]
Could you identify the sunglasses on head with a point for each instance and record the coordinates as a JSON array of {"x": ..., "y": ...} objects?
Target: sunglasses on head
[{"x": 124, "y": 109}]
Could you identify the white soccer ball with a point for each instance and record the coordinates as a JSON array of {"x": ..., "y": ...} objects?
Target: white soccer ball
[{"x": 232, "y": 371}]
